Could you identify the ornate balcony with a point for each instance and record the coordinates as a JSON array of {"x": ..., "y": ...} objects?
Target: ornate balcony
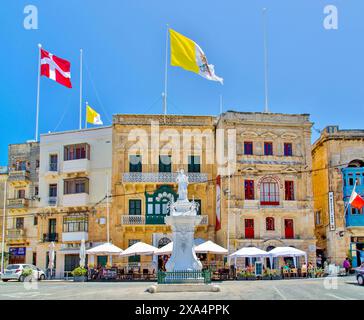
[
  {"x": 19, "y": 176},
  {"x": 18, "y": 203},
  {"x": 132, "y": 220},
  {"x": 15, "y": 234},
  {"x": 161, "y": 177}
]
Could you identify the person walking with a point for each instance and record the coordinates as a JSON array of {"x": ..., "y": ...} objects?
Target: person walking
[{"x": 346, "y": 265}]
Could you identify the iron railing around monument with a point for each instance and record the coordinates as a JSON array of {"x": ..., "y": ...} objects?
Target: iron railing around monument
[{"x": 184, "y": 276}]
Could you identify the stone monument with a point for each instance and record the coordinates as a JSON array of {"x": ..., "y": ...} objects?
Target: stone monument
[{"x": 183, "y": 218}]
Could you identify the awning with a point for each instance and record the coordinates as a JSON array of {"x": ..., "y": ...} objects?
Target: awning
[
  {"x": 210, "y": 247},
  {"x": 139, "y": 249},
  {"x": 106, "y": 249}
]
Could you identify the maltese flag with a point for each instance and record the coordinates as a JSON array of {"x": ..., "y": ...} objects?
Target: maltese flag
[
  {"x": 55, "y": 68},
  {"x": 356, "y": 201}
]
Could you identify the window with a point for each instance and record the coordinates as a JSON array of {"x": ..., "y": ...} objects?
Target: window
[
  {"x": 318, "y": 217},
  {"x": 288, "y": 190},
  {"x": 53, "y": 190},
  {"x": 135, "y": 207},
  {"x": 194, "y": 164},
  {"x": 135, "y": 163},
  {"x": 165, "y": 164},
  {"x": 269, "y": 224},
  {"x": 249, "y": 189},
  {"x": 77, "y": 151},
  {"x": 53, "y": 162},
  {"x": 269, "y": 192},
  {"x": 21, "y": 166},
  {"x": 249, "y": 228},
  {"x": 36, "y": 190},
  {"x": 157, "y": 204},
  {"x": 21, "y": 194},
  {"x": 35, "y": 221},
  {"x": 288, "y": 149},
  {"x": 248, "y": 147},
  {"x": 356, "y": 211},
  {"x": 75, "y": 223},
  {"x": 74, "y": 186},
  {"x": 19, "y": 223},
  {"x": 268, "y": 148}
]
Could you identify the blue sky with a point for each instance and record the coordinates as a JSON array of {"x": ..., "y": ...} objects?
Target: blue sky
[{"x": 311, "y": 69}]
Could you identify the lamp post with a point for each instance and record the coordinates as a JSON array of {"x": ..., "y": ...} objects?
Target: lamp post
[{"x": 3, "y": 231}]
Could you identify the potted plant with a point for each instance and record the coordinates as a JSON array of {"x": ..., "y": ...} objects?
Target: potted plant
[
  {"x": 267, "y": 274},
  {"x": 276, "y": 275},
  {"x": 26, "y": 273},
  {"x": 79, "y": 274},
  {"x": 250, "y": 276}
]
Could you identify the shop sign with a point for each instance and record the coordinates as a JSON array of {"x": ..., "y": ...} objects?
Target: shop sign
[
  {"x": 17, "y": 251},
  {"x": 331, "y": 211}
]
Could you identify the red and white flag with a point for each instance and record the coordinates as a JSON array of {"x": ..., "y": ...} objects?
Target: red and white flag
[
  {"x": 55, "y": 68},
  {"x": 356, "y": 201}
]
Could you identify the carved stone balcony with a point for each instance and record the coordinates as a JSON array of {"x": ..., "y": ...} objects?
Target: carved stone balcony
[
  {"x": 15, "y": 234},
  {"x": 18, "y": 203},
  {"x": 161, "y": 177},
  {"x": 20, "y": 176}
]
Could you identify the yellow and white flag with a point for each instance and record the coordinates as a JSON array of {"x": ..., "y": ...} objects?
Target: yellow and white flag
[
  {"x": 187, "y": 54},
  {"x": 92, "y": 116}
]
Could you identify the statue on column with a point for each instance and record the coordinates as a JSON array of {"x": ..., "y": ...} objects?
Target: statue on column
[{"x": 183, "y": 182}]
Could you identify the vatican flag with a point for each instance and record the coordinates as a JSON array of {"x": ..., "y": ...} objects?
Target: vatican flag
[
  {"x": 187, "y": 54},
  {"x": 92, "y": 116}
]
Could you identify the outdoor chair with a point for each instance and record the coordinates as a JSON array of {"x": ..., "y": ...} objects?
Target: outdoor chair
[
  {"x": 304, "y": 272},
  {"x": 286, "y": 273},
  {"x": 294, "y": 272}
]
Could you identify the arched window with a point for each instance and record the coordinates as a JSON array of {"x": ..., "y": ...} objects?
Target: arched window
[
  {"x": 356, "y": 164},
  {"x": 269, "y": 192},
  {"x": 162, "y": 242},
  {"x": 269, "y": 224}
]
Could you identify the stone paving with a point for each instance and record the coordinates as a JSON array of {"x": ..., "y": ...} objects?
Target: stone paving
[{"x": 345, "y": 288}]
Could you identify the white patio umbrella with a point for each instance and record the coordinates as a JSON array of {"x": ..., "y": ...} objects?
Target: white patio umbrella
[
  {"x": 139, "y": 249},
  {"x": 249, "y": 252},
  {"x": 105, "y": 249},
  {"x": 287, "y": 252},
  {"x": 210, "y": 247},
  {"x": 51, "y": 256},
  {"x": 82, "y": 253},
  {"x": 165, "y": 250}
]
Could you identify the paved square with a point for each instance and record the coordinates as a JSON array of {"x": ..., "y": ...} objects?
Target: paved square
[{"x": 346, "y": 288}]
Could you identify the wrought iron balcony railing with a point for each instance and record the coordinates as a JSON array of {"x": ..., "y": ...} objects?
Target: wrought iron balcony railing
[{"x": 49, "y": 237}]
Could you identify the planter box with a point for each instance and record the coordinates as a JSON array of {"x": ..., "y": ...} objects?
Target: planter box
[{"x": 79, "y": 278}]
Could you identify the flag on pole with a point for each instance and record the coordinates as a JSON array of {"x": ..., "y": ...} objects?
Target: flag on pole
[
  {"x": 92, "y": 116},
  {"x": 356, "y": 201},
  {"x": 55, "y": 68},
  {"x": 187, "y": 54}
]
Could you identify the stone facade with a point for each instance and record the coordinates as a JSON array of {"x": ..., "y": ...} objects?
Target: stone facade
[
  {"x": 23, "y": 199},
  {"x": 140, "y": 198},
  {"x": 3, "y": 178},
  {"x": 273, "y": 154},
  {"x": 337, "y": 162}
]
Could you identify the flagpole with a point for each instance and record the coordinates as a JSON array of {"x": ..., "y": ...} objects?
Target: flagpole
[
  {"x": 81, "y": 61},
  {"x": 38, "y": 93},
  {"x": 166, "y": 77},
  {"x": 86, "y": 115},
  {"x": 3, "y": 231},
  {"x": 266, "y": 109}
]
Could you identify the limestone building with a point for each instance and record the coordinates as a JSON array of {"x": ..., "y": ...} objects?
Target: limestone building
[
  {"x": 271, "y": 201},
  {"x": 74, "y": 166},
  {"x": 3, "y": 179},
  {"x": 22, "y": 202},
  {"x": 147, "y": 152},
  {"x": 338, "y": 161}
]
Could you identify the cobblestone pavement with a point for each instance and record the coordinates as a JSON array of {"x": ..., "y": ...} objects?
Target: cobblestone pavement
[{"x": 343, "y": 288}]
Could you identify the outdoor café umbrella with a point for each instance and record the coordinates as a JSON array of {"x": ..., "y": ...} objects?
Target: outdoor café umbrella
[
  {"x": 249, "y": 252},
  {"x": 287, "y": 252},
  {"x": 105, "y": 249},
  {"x": 210, "y": 247},
  {"x": 165, "y": 250},
  {"x": 82, "y": 254},
  {"x": 139, "y": 249},
  {"x": 51, "y": 256}
]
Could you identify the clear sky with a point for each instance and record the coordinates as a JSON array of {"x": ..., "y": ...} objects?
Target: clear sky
[{"x": 311, "y": 69}]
